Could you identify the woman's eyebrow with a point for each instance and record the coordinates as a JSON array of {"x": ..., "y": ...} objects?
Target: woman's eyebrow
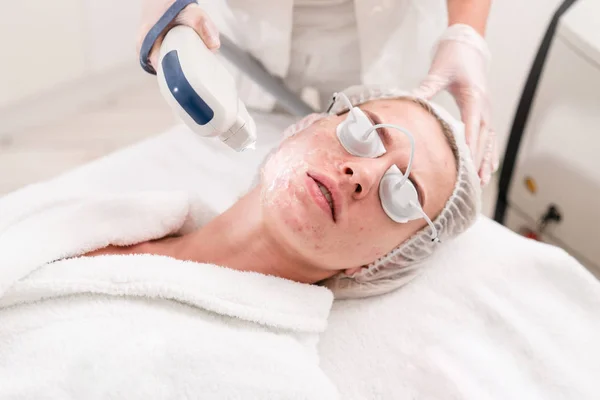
[{"x": 375, "y": 120}]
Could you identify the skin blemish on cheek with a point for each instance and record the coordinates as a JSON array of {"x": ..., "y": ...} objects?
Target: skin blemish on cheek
[
  {"x": 317, "y": 233},
  {"x": 378, "y": 251}
]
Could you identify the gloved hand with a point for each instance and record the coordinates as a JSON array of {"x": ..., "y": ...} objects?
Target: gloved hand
[
  {"x": 460, "y": 66},
  {"x": 192, "y": 16}
]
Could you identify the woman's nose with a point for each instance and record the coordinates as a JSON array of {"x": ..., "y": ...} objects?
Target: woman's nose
[{"x": 363, "y": 176}]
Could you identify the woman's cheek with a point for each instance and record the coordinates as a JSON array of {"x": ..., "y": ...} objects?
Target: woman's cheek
[
  {"x": 279, "y": 169},
  {"x": 377, "y": 252},
  {"x": 364, "y": 241}
]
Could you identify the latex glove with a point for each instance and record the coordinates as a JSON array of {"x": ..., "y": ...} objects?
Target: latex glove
[
  {"x": 192, "y": 16},
  {"x": 460, "y": 66}
]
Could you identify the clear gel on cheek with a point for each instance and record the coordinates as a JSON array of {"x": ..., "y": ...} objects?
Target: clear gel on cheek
[
  {"x": 278, "y": 189},
  {"x": 284, "y": 174}
]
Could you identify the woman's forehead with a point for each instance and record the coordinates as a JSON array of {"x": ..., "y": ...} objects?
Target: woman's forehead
[
  {"x": 407, "y": 114},
  {"x": 390, "y": 108}
]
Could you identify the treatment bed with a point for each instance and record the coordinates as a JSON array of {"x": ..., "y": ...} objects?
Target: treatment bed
[{"x": 493, "y": 316}]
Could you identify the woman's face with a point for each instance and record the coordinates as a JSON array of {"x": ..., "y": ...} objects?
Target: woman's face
[{"x": 358, "y": 231}]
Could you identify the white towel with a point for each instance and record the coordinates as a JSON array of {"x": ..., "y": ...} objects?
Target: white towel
[
  {"x": 153, "y": 181},
  {"x": 144, "y": 326},
  {"x": 495, "y": 316}
]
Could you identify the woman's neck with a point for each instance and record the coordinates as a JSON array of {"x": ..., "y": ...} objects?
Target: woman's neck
[{"x": 239, "y": 240}]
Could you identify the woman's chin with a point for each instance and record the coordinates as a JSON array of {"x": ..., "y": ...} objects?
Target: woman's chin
[
  {"x": 297, "y": 226},
  {"x": 297, "y": 229}
]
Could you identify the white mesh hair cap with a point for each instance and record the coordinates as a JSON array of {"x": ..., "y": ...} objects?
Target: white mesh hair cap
[{"x": 461, "y": 210}]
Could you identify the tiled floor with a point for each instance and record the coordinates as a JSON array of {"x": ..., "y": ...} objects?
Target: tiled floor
[{"x": 119, "y": 120}]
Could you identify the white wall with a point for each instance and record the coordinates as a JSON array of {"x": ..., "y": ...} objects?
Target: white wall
[
  {"x": 45, "y": 44},
  {"x": 40, "y": 46},
  {"x": 111, "y": 32},
  {"x": 515, "y": 31}
]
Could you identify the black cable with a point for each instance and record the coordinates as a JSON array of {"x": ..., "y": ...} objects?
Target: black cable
[
  {"x": 522, "y": 114},
  {"x": 256, "y": 71}
]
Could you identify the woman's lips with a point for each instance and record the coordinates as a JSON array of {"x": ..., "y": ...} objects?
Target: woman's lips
[{"x": 318, "y": 196}]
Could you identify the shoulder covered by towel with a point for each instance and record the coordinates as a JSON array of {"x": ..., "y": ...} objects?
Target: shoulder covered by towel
[{"x": 144, "y": 326}]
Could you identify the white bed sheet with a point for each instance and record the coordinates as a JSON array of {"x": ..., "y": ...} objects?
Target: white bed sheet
[{"x": 494, "y": 316}]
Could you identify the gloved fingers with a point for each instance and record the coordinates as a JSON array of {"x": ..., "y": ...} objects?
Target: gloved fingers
[
  {"x": 431, "y": 85},
  {"x": 489, "y": 149},
  {"x": 471, "y": 117},
  {"x": 154, "y": 53},
  {"x": 196, "y": 18},
  {"x": 483, "y": 144},
  {"x": 485, "y": 175}
]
